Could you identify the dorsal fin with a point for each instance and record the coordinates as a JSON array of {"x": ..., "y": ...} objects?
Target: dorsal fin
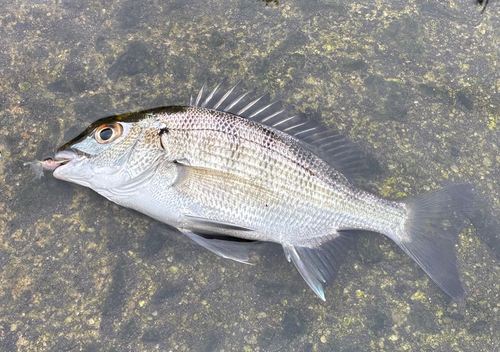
[{"x": 331, "y": 146}]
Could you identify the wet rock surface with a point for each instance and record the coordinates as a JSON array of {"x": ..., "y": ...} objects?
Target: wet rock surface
[{"x": 414, "y": 83}]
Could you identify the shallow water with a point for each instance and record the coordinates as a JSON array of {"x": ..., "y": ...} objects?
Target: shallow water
[{"x": 415, "y": 83}]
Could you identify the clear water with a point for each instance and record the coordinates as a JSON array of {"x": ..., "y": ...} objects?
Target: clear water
[{"x": 415, "y": 83}]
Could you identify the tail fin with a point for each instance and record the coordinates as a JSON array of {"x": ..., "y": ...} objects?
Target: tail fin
[{"x": 430, "y": 234}]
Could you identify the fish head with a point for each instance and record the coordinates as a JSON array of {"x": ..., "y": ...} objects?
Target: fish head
[{"x": 112, "y": 152}]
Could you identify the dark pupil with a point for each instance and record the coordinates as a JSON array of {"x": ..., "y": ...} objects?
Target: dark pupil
[{"x": 106, "y": 133}]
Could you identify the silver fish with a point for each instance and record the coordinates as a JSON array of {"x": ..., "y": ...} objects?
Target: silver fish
[{"x": 227, "y": 167}]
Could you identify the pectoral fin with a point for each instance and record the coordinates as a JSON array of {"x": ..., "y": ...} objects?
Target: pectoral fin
[
  {"x": 199, "y": 222},
  {"x": 225, "y": 246},
  {"x": 319, "y": 260}
]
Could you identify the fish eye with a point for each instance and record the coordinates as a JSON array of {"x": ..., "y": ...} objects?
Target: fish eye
[{"x": 108, "y": 133}]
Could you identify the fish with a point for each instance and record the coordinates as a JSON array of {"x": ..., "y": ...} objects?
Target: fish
[{"x": 229, "y": 171}]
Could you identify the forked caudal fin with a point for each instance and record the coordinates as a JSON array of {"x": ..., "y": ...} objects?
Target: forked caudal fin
[{"x": 431, "y": 232}]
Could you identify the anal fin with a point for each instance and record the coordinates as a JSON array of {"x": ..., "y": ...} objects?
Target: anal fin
[
  {"x": 224, "y": 246},
  {"x": 319, "y": 260}
]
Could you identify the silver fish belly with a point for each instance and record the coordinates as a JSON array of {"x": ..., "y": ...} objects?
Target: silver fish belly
[{"x": 227, "y": 167}]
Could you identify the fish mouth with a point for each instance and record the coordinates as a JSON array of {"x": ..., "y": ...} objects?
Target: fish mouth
[
  {"x": 65, "y": 155},
  {"x": 61, "y": 158}
]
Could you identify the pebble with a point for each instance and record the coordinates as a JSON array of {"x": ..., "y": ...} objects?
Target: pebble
[{"x": 487, "y": 162}]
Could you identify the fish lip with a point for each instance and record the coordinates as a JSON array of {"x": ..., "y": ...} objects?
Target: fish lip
[{"x": 64, "y": 157}]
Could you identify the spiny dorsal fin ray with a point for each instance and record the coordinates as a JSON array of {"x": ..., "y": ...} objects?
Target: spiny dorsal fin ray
[
  {"x": 254, "y": 105},
  {"x": 224, "y": 100},
  {"x": 331, "y": 146},
  {"x": 268, "y": 110},
  {"x": 200, "y": 94},
  {"x": 240, "y": 99},
  {"x": 211, "y": 95}
]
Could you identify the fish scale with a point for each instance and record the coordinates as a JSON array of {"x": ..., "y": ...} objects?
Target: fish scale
[
  {"x": 222, "y": 179},
  {"x": 299, "y": 186}
]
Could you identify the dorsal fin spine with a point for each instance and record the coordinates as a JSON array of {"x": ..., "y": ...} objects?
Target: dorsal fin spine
[
  {"x": 283, "y": 121},
  {"x": 263, "y": 109},
  {"x": 305, "y": 131},
  {"x": 237, "y": 100},
  {"x": 294, "y": 126},
  {"x": 249, "y": 105},
  {"x": 333, "y": 148},
  {"x": 211, "y": 95},
  {"x": 225, "y": 96},
  {"x": 200, "y": 94},
  {"x": 272, "y": 116}
]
